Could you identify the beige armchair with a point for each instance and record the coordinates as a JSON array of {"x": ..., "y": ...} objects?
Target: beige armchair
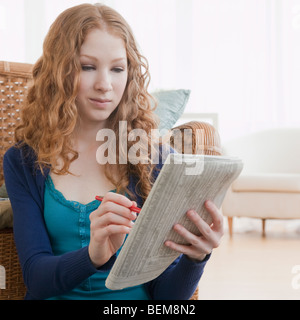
[{"x": 269, "y": 185}]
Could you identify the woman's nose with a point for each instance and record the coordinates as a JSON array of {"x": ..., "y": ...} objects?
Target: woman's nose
[{"x": 103, "y": 82}]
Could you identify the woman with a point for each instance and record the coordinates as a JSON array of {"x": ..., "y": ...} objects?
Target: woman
[{"x": 90, "y": 77}]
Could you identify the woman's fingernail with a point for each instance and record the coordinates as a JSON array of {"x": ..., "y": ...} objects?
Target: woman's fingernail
[{"x": 209, "y": 204}]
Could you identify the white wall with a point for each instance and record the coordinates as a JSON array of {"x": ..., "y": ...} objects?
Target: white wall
[{"x": 240, "y": 58}]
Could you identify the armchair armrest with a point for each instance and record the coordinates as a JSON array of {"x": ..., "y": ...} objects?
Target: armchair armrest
[{"x": 201, "y": 138}]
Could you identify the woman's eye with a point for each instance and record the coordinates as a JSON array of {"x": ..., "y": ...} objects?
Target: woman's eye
[
  {"x": 118, "y": 70},
  {"x": 87, "y": 68}
]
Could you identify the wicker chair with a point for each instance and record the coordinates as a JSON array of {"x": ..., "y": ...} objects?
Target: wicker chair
[{"x": 14, "y": 82}]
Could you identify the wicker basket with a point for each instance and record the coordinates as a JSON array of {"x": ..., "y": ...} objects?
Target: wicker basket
[{"x": 15, "y": 288}]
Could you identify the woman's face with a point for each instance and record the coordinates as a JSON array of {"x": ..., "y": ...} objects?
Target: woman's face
[{"x": 103, "y": 76}]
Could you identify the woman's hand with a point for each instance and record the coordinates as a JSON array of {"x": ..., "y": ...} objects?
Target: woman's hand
[
  {"x": 109, "y": 225},
  {"x": 200, "y": 246}
]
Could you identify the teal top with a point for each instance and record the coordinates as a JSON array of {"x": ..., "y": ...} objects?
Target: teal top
[{"x": 68, "y": 226}]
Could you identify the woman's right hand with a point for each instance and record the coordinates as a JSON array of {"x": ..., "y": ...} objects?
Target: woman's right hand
[{"x": 109, "y": 225}]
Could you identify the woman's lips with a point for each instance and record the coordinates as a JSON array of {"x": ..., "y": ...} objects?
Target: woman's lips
[{"x": 100, "y": 102}]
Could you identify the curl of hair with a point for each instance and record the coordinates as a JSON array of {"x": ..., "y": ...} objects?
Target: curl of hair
[{"x": 50, "y": 115}]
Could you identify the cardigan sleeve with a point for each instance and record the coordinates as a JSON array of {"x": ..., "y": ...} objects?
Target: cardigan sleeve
[
  {"x": 44, "y": 274},
  {"x": 179, "y": 281}
]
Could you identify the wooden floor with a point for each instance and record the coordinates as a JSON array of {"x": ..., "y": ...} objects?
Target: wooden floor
[{"x": 249, "y": 266}]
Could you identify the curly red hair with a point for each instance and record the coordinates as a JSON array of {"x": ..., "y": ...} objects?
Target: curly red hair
[{"x": 50, "y": 114}]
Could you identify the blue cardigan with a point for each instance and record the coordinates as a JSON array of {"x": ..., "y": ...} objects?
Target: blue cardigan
[{"x": 46, "y": 275}]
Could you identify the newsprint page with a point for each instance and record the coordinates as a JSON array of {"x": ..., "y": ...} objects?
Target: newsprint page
[{"x": 185, "y": 182}]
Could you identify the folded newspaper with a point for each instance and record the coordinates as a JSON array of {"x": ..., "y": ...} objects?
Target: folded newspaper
[{"x": 185, "y": 182}]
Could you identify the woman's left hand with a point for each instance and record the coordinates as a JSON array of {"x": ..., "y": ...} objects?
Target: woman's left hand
[{"x": 200, "y": 246}]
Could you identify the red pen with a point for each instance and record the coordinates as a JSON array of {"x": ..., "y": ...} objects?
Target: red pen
[{"x": 132, "y": 208}]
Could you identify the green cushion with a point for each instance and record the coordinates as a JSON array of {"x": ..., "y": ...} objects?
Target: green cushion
[
  {"x": 171, "y": 105},
  {"x": 6, "y": 215},
  {"x": 3, "y": 192}
]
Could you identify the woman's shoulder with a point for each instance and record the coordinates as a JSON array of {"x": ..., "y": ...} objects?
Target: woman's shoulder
[
  {"x": 20, "y": 169},
  {"x": 20, "y": 151},
  {"x": 20, "y": 159}
]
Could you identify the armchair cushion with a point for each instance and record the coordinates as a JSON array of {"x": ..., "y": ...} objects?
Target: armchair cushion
[
  {"x": 3, "y": 192},
  {"x": 268, "y": 182},
  {"x": 6, "y": 215},
  {"x": 171, "y": 105}
]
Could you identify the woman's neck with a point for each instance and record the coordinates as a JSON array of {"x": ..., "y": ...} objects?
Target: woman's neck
[{"x": 84, "y": 137}]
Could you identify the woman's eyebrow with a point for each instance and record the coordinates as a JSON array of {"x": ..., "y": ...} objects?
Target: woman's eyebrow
[
  {"x": 119, "y": 59},
  {"x": 95, "y": 59},
  {"x": 87, "y": 56}
]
